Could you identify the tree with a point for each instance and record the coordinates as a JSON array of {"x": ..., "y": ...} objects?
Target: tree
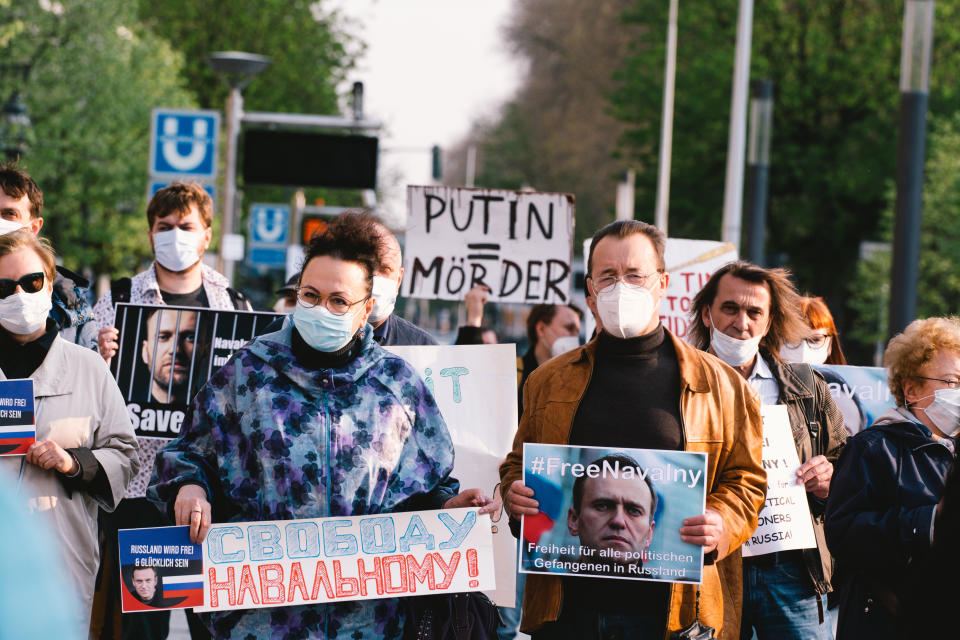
[
  {"x": 939, "y": 273},
  {"x": 95, "y": 74},
  {"x": 557, "y": 133},
  {"x": 835, "y": 66}
]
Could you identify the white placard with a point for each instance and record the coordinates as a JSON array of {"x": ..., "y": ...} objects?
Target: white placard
[
  {"x": 784, "y": 521},
  {"x": 517, "y": 243},
  {"x": 690, "y": 264},
  {"x": 476, "y": 389}
]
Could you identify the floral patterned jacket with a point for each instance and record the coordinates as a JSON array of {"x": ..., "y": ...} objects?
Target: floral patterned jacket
[{"x": 272, "y": 440}]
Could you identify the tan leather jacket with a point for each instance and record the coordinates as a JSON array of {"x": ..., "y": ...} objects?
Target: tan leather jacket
[{"x": 720, "y": 416}]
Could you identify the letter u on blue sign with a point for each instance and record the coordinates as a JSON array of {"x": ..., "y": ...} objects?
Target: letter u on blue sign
[{"x": 185, "y": 143}]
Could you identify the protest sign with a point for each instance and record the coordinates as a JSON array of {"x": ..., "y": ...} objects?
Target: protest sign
[
  {"x": 861, "y": 393},
  {"x": 249, "y": 565},
  {"x": 17, "y": 424},
  {"x": 581, "y": 490},
  {"x": 167, "y": 353},
  {"x": 517, "y": 243},
  {"x": 475, "y": 387},
  {"x": 690, "y": 264},
  {"x": 160, "y": 568},
  {"x": 784, "y": 521}
]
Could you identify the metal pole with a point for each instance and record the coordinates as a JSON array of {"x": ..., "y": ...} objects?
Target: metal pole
[
  {"x": 234, "y": 115},
  {"x": 911, "y": 151},
  {"x": 666, "y": 123},
  {"x": 758, "y": 169},
  {"x": 471, "y": 165},
  {"x": 733, "y": 190}
]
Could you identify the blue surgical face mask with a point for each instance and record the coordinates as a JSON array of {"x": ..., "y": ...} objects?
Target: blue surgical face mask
[{"x": 321, "y": 329}]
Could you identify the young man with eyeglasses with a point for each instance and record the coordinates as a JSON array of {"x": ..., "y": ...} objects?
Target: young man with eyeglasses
[
  {"x": 21, "y": 203},
  {"x": 744, "y": 315},
  {"x": 636, "y": 385},
  {"x": 179, "y": 219}
]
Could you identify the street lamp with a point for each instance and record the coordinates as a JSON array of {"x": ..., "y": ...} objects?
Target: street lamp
[
  {"x": 758, "y": 168},
  {"x": 238, "y": 69},
  {"x": 914, "y": 89},
  {"x": 16, "y": 129}
]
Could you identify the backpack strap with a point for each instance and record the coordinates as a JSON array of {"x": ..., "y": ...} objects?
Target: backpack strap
[
  {"x": 239, "y": 300},
  {"x": 807, "y": 375},
  {"x": 120, "y": 290}
]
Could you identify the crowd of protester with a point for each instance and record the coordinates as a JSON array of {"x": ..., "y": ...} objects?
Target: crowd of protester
[{"x": 884, "y": 503}]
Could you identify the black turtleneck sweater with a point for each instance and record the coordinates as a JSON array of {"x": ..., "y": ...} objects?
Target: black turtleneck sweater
[{"x": 632, "y": 401}]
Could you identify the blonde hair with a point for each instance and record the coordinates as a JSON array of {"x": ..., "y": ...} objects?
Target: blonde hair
[
  {"x": 24, "y": 239},
  {"x": 909, "y": 352}
]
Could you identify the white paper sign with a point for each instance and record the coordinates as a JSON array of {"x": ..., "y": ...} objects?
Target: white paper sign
[
  {"x": 476, "y": 389},
  {"x": 517, "y": 243},
  {"x": 690, "y": 264},
  {"x": 784, "y": 521},
  {"x": 249, "y": 565}
]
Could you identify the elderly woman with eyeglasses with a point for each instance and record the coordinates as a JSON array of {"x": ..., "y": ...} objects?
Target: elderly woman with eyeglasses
[
  {"x": 85, "y": 451},
  {"x": 313, "y": 420},
  {"x": 888, "y": 482}
]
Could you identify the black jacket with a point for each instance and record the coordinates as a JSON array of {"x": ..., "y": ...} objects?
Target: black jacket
[
  {"x": 879, "y": 515},
  {"x": 397, "y": 331}
]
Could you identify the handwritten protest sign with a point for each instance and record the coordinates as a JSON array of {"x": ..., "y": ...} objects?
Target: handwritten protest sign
[
  {"x": 578, "y": 533},
  {"x": 167, "y": 353},
  {"x": 248, "y": 565},
  {"x": 17, "y": 425},
  {"x": 475, "y": 387},
  {"x": 784, "y": 521},
  {"x": 861, "y": 393},
  {"x": 517, "y": 243},
  {"x": 690, "y": 264}
]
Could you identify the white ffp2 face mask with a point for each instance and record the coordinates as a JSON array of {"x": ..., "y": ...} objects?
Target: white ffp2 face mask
[
  {"x": 177, "y": 249},
  {"x": 9, "y": 226},
  {"x": 384, "y": 298},
  {"x": 625, "y": 310},
  {"x": 733, "y": 351},
  {"x": 24, "y": 313},
  {"x": 944, "y": 411},
  {"x": 805, "y": 353},
  {"x": 563, "y": 344}
]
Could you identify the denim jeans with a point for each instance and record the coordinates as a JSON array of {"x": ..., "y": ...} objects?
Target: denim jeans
[
  {"x": 779, "y": 601},
  {"x": 510, "y": 616},
  {"x": 597, "y": 625}
]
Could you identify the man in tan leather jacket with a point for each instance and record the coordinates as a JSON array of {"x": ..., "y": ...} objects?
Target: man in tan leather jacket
[{"x": 638, "y": 386}]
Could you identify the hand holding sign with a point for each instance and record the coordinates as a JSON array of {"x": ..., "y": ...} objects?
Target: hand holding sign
[
  {"x": 47, "y": 454},
  {"x": 192, "y": 508},
  {"x": 519, "y": 500},
  {"x": 815, "y": 475},
  {"x": 705, "y": 530}
]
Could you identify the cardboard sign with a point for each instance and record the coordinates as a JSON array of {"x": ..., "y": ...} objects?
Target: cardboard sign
[
  {"x": 612, "y": 513},
  {"x": 517, "y": 243},
  {"x": 475, "y": 387},
  {"x": 167, "y": 353},
  {"x": 861, "y": 393},
  {"x": 784, "y": 521},
  {"x": 249, "y": 565},
  {"x": 18, "y": 428}
]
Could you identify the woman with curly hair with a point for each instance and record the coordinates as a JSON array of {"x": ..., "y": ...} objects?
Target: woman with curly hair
[{"x": 889, "y": 480}]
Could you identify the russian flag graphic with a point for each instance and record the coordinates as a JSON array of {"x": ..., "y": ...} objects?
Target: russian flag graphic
[
  {"x": 15, "y": 441},
  {"x": 550, "y": 496},
  {"x": 190, "y": 587}
]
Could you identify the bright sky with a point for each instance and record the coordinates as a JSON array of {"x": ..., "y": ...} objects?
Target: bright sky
[{"x": 431, "y": 68}]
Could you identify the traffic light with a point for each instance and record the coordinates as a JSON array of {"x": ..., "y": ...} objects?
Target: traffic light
[{"x": 437, "y": 169}]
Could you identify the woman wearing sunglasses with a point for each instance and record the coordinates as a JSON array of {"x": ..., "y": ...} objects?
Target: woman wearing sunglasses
[
  {"x": 85, "y": 451},
  {"x": 311, "y": 421}
]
